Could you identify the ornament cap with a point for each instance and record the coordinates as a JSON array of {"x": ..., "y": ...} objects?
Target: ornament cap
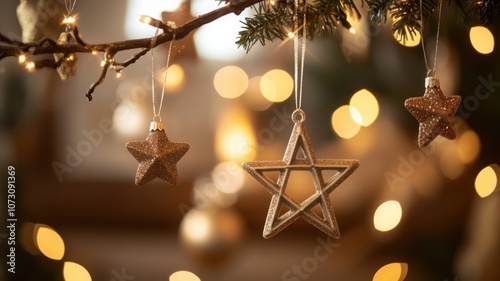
[
  {"x": 432, "y": 82},
  {"x": 155, "y": 125}
]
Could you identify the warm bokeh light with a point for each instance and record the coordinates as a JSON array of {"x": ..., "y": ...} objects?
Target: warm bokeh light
[
  {"x": 75, "y": 272},
  {"x": 235, "y": 139},
  {"x": 230, "y": 82},
  {"x": 197, "y": 226},
  {"x": 367, "y": 105},
  {"x": 49, "y": 242},
  {"x": 450, "y": 162},
  {"x": 253, "y": 96},
  {"x": 228, "y": 177},
  {"x": 276, "y": 85},
  {"x": 183, "y": 276},
  {"x": 391, "y": 272},
  {"x": 291, "y": 34},
  {"x": 352, "y": 30},
  {"x": 26, "y": 238},
  {"x": 128, "y": 118},
  {"x": 469, "y": 146},
  {"x": 387, "y": 216},
  {"x": 343, "y": 124},
  {"x": 486, "y": 181},
  {"x": 412, "y": 39},
  {"x": 174, "y": 80},
  {"x": 482, "y": 39}
]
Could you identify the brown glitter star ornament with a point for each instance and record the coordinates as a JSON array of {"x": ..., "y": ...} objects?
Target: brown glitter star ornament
[
  {"x": 157, "y": 156},
  {"x": 435, "y": 112},
  {"x": 299, "y": 141}
]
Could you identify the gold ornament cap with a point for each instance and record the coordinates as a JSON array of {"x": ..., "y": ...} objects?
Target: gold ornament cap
[
  {"x": 432, "y": 82},
  {"x": 155, "y": 125}
]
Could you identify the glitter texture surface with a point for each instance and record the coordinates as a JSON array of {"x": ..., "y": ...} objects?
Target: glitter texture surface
[
  {"x": 435, "y": 112},
  {"x": 299, "y": 140},
  {"x": 157, "y": 157}
]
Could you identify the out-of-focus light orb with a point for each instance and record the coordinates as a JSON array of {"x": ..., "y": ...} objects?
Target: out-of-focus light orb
[
  {"x": 412, "y": 39},
  {"x": 276, "y": 85},
  {"x": 230, "y": 82},
  {"x": 183, "y": 276},
  {"x": 482, "y": 39},
  {"x": 469, "y": 146},
  {"x": 135, "y": 29},
  {"x": 75, "y": 272},
  {"x": 450, "y": 162},
  {"x": 391, "y": 272},
  {"x": 366, "y": 105},
  {"x": 228, "y": 177},
  {"x": 387, "y": 216},
  {"x": 49, "y": 242},
  {"x": 342, "y": 122},
  {"x": 174, "y": 80},
  {"x": 486, "y": 181},
  {"x": 215, "y": 41},
  {"x": 212, "y": 234},
  {"x": 234, "y": 137},
  {"x": 253, "y": 96},
  {"x": 128, "y": 119}
]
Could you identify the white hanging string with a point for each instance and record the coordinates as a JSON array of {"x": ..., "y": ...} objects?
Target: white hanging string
[
  {"x": 429, "y": 70},
  {"x": 157, "y": 114},
  {"x": 298, "y": 80},
  {"x": 70, "y": 6}
]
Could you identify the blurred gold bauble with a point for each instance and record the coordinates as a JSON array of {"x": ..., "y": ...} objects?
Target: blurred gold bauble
[{"x": 210, "y": 235}]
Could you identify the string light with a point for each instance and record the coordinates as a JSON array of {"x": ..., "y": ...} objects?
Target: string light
[
  {"x": 144, "y": 19},
  {"x": 70, "y": 58},
  {"x": 22, "y": 58},
  {"x": 352, "y": 30},
  {"x": 291, "y": 34},
  {"x": 71, "y": 20},
  {"x": 30, "y": 66},
  {"x": 94, "y": 52},
  {"x": 118, "y": 74},
  {"x": 103, "y": 63}
]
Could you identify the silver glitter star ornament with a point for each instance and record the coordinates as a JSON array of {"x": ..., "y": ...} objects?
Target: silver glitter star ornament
[
  {"x": 299, "y": 141},
  {"x": 157, "y": 156},
  {"x": 434, "y": 111}
]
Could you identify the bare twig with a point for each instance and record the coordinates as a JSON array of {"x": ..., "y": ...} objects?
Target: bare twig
[{"x": 14, "y": 48}]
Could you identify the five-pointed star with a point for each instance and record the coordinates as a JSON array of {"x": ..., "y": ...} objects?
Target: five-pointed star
[
  {"x": 157, "y": 157},
  {"x": 435, "y": 112},
  {"x": 299, "y": 140}
]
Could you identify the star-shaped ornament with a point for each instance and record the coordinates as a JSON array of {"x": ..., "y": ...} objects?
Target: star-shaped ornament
[
  {"x": 435, "y": 112},
  {"x": 157, "y": 156},
  {"x": 293, "y": 161}
]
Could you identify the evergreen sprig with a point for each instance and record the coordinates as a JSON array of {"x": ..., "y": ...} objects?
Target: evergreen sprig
[{"x": 272, "y": 22}]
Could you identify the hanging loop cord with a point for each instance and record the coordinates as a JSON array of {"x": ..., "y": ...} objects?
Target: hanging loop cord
[
  {"x": 156, "y": 114},
  {"x": 298, "y": 80},
  {"x": 429, "y": 70}
]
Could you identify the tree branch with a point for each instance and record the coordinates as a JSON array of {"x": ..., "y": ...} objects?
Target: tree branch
[{"x": 14, "y": 48}]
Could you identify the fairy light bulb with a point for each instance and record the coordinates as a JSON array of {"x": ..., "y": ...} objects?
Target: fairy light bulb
[
  {"x": 103, "y": 63},
  {"x": 94, "y": 52},
  {"x": 22, "y": 58},
  {"x": 30, "y": 66},
  {"x": 352, "y": 30},
  {"x": 70, "y": 58},
  {"x": 144, "y": 19},
  {"x": 118, "y": 74},
  {"x": 70, "y": 20}
]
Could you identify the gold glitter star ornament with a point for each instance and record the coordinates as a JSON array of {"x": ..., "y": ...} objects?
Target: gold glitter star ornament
[
  {"x": 293, "y": 161},
  {"x": 157, "y": 156},
  {"x": 435, "y": 112}
]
